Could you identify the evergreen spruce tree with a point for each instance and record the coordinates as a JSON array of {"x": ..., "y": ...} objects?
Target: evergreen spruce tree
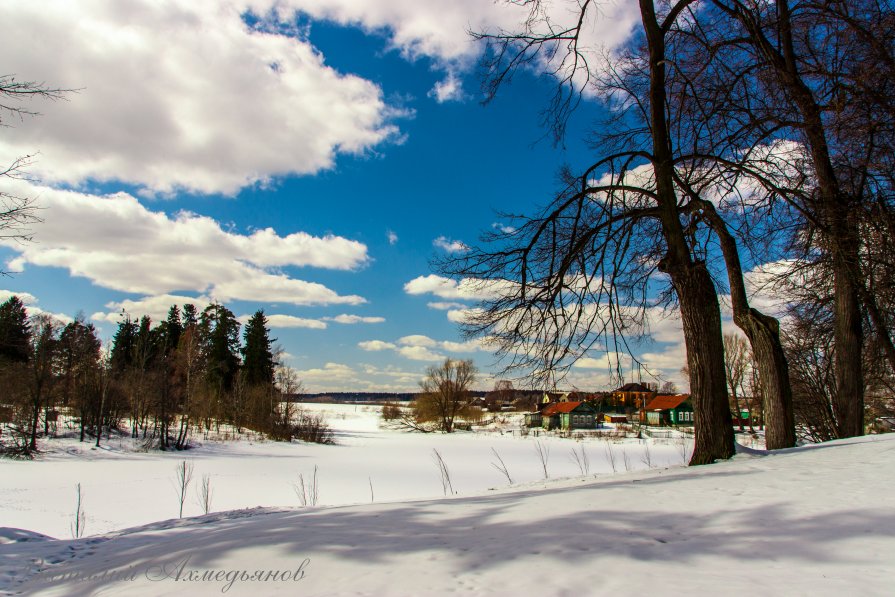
[
  {"x": 190, "y": 316},
  {"x": 219, "y": 331},
  {"x": 257, "y": 354},
  {"x": 15, "y": 331},
  {"x": 123, "y": 343},
  {"x": 171, "y": 330}
]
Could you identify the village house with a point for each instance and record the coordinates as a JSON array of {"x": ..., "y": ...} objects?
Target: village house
[
  {"x": 668, "y": 410},
  {"x": 569, "y": 415},
  {"x": 632, "y": 396}
]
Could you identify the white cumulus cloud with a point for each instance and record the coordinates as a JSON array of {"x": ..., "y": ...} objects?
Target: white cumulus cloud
[
  {"x": 181, "y": 96},
  {"x": 376, "y": 345},
  {"x": 119, "y": 244},
  {"x": 289, "y": 321},
  {"x": 445, "y": 288}
]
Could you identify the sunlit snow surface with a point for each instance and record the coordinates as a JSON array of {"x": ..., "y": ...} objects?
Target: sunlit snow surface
[{"x": 815, "y": 520}]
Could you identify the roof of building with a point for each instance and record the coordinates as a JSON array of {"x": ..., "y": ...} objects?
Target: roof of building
[
  {"x": 666, "y": 402},
  {"x": 633, "y": 387},
  {"x": 561, "y": 407}
]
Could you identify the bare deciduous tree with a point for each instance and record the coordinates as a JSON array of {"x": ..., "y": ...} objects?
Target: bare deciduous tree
[
  {"x": 579, "y": 274},
  {"x": 820, "y": 74},
  {"x": 737, "y": 361},
  {"x": 205, "y": 494},
  {"x": 183, "y": 476},
  {"x": 445, "y": 392},
  {"x": 79, "y": 519}
]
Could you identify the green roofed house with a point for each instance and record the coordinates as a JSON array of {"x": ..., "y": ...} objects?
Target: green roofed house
[
  {"x": 671, "y": 409},
  {"x": 569, "y": 415}
]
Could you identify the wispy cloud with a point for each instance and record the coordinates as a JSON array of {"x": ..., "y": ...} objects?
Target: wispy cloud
[
  {"x": 465, "y": 289},
  {"x": 353, "y": 319},
  {"x": 445, "y": 306},
  {"x": 450, "y": 246}
]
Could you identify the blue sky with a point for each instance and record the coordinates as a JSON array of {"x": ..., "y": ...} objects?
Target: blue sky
[{"x": 309, "y": 159}]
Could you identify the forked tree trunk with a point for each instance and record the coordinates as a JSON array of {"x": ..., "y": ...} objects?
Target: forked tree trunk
[
  {"x": 838, "y": 233},
  {"x": 763, "y": 333},
  {"x": 700, "y": 313}
]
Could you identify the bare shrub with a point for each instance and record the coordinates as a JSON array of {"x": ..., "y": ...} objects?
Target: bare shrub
[
  {"x": 611, "y": 456},
  {"x": 543, "y": 455},
  {"x": 79, "y": 520},
  {"x": 307, "y": 491},
  {"x": 443, "y": 471},
  {"x": 647, "y": 458},
  {"x": 183, "y": 476},
  {"x": 312, "y": 428},
  {"x": 391, "y": 412},
  {"x": 204, "y": 494},
  {"x": 582, "y": 460},
  {"x": 683, "y": 446},
  {"x": 501, "y": 466}
]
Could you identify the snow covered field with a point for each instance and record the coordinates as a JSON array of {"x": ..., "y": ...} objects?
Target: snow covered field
[
  {"x": 818, "y": 520},
  {"x": 123, "y": 488}
]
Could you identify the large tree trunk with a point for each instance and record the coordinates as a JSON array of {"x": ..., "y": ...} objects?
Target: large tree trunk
[
  {"x": 701, "y": 319},
  {"x": 763, "y": 333},
  {"x": 848, "y": 401}
]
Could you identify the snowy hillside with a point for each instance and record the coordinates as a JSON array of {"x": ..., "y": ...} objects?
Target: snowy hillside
[{"x": 817, "y": 520}]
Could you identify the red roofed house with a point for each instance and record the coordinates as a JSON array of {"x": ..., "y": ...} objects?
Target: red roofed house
[
  {"x": 669, "y": 409},
  {"x": 569, "y": 415}
]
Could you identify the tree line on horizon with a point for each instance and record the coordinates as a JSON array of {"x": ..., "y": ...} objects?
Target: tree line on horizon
[{"x": 159, "y": 382}]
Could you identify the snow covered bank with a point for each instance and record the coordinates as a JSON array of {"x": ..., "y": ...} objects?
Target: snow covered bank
[{"x": 818, "y": 520}]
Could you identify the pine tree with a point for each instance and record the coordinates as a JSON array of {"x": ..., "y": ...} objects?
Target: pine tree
[
  {"x": 123, "y": 343},
  {"x": 172, "y": 328},
  {"x": 15, "y": 337},
  {"x": 190, "y": 315},
  {"x": 257, "y": 355},
  {"x": 219, "y": 331},
  {"x": 15, "y": 331}
]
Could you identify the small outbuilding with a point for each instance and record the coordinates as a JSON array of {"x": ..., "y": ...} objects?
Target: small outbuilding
[{"x": 533, "y": 419}]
